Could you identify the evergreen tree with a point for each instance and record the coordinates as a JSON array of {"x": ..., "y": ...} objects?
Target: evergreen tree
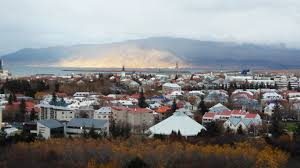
[
  {"x": 202, "y": 108},
  {"x": 23, "y": 109},
  {"x": 240, "y": 130},
  {"x": 32, "y": 115},
  {"x": 276, "y": 129},
  {"x": 54, "y": 98},
  {"x": 92, "y": 133},
  {"x": 14, "y": 97},
  {"x": 10, "y": 99},
  {"x": 142, "y": 100},
  {"x": 174, "y": 106},
  {"x": 290, "y": 86}
]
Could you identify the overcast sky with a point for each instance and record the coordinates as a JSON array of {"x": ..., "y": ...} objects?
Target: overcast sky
[{"x": 42, "y": 23}]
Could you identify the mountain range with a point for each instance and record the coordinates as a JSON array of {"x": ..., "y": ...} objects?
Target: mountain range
[{"x": 160, "y": 52}]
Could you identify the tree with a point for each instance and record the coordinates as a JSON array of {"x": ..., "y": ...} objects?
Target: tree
[
  {"x": 136, "y": 163},
  {"x": 142, "y": 100},
  {"x": 202, "y": 108},
  {"x": 54, "y": 98},
  {"x": 276, "y": 127},
  {"x": 14, "y": 97},
  {"x": 32, "y": 115},
  {"x": 56, "y": 87},
  {"x": 23, "y": 109},
  {"x": 240, "y": 130},
  {"x": 174, "y": 106},
  {"x": 10, "y": 99},
  {"x": 84, "y": 132},
  {"x": 92, "y": 133},
  {"x": 290, "y": 86},
  {"x": 2, "y": 137}
]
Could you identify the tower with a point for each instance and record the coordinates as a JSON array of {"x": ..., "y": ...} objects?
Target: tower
[
  {"x": 123, "y": 73},
  {"x": 177, "y": 67},
  {"x": 0, "y": 118},
  {"x": 1, "y": 65}
]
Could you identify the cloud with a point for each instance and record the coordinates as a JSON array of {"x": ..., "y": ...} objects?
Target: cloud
[{"x": 36, "y": 23}]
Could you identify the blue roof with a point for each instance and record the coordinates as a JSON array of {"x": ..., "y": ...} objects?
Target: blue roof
[
  {"x": 234, "y": 120},
  {"x": 51, "y": 123},
  {"x": 247, "y": 121},
  {"x": 86, "y": 122}
]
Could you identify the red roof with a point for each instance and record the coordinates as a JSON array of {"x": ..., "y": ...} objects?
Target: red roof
[
  {"x": 135, "y": 96},
  {"x": 238, "y": 112},
  {"x": 132, "y": 110},
  {"x": 250, "y": 115},
  {"x": 243, "y": 93},
  {"x": 209, "y": 115},
  {"x": 163, "y": 109},
  {"x": 226, "y": 113},
  {"x": 29, "y": 105}
]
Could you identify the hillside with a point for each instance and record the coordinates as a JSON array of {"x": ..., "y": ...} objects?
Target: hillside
[{"x": 159, "y": 52}]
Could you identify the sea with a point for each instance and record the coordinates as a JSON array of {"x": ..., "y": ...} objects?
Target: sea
[{"x": 22, "y": 71}]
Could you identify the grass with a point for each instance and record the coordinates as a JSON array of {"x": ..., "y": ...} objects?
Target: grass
[{"x": 290, "y": 126}]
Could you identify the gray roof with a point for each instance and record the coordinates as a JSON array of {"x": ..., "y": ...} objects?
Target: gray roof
[
  {"x": 218, "y": 108},
  {"x": 86, "y": 122},
  {"x": 51, "y": 123}
]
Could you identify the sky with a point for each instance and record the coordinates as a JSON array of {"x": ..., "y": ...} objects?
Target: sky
[{"x": 43, "y": 23}]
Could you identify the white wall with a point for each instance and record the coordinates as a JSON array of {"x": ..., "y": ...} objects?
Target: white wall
[{"x": 43, "y": 130}]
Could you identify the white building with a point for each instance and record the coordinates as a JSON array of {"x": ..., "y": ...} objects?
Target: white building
[
  {"x": 168, "y": 88},
  {"x": 272, "y": 96},
  {"x": 50, "y": 128},
  {"x": 178, "y": 122},
  {"x": 60, "y": 113},
  {"x": 104, "y": 113}
]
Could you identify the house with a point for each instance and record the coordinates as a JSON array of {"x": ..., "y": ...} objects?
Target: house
[
  {"x": 104, "y": 113},
  {"x": 218, "y": 108},
  {"x": 208, "y": 117},
  {"x": 175, "y": 94},
  {"x": 196, "y": 93},
  {"x": 250, "y": 119},
  {"x": 81, "y": 94},
  {"x": 50, "y": 128},
  {"x": 162, "y": 112},
  {"x": 272, "y": 96},
  {"x": 178, "y": 122},
  {"x": 168, "y": 88},
  {"x": 217, "y": 96},
  {"x": 77, "y": 126}
]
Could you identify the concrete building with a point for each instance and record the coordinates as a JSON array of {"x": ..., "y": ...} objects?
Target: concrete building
[
  {"x": 50, "y": 128},
  {"x": 60, "y": 113},
  {"x": 104, "y": 113},
  {"x": 139, "y": 119},
  {"x": 77, "y": 126}
]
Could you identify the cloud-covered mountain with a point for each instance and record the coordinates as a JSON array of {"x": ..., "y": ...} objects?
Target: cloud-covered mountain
[{"x": 160, "y": 52}]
